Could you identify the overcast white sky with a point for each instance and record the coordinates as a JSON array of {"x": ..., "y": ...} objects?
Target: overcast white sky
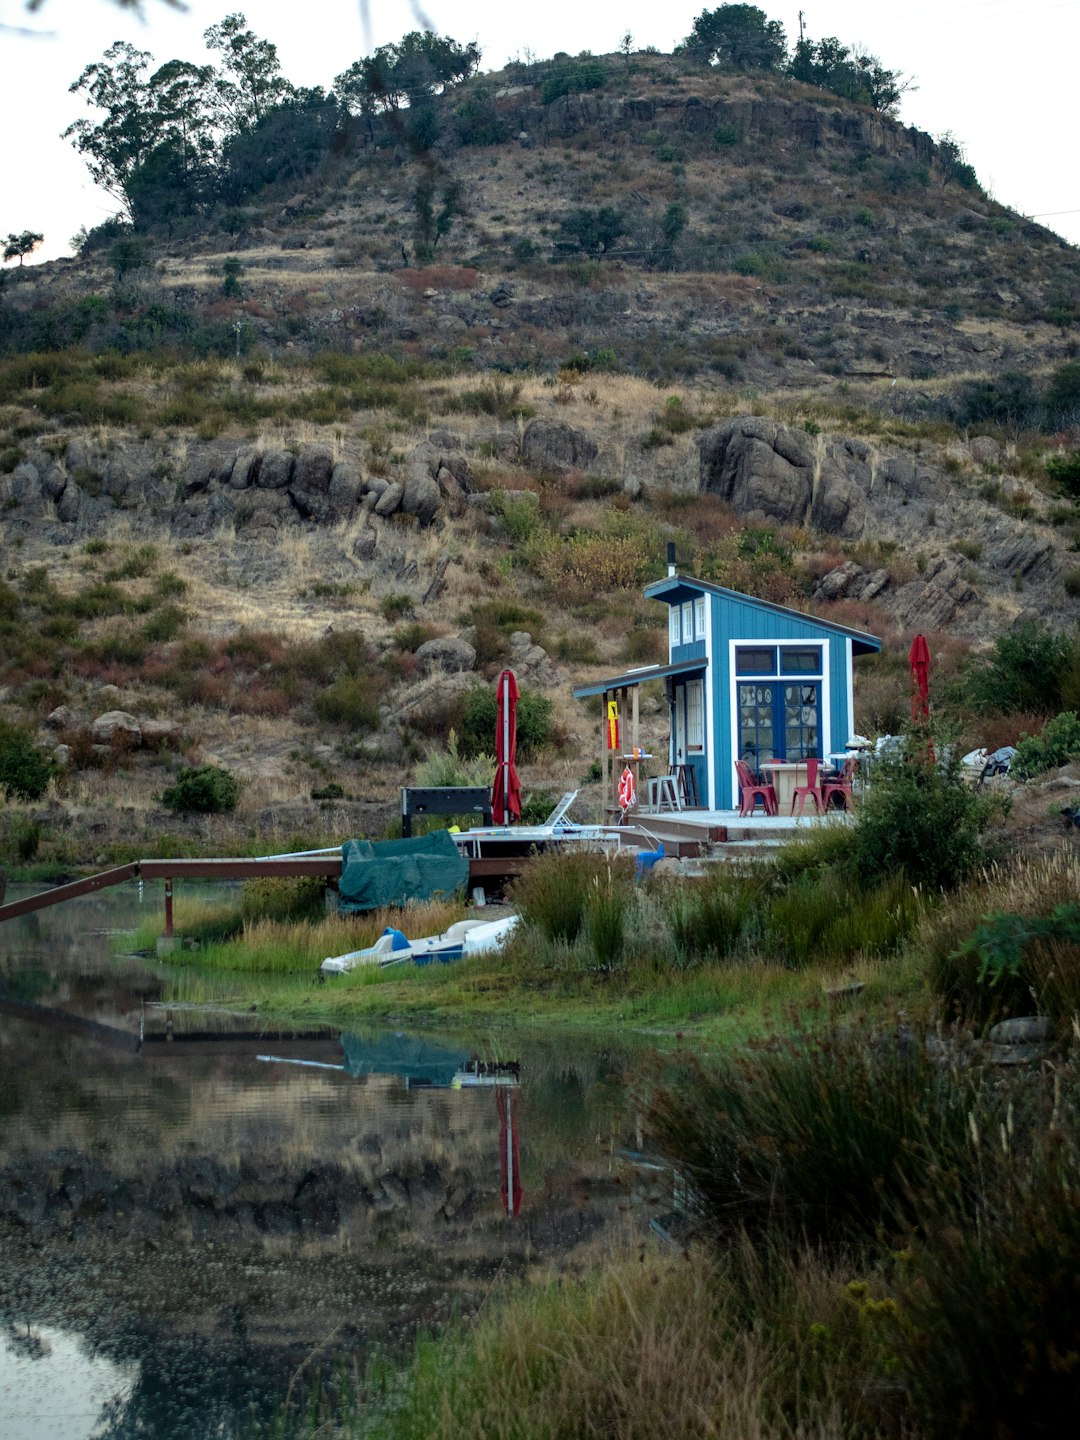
[{"x": 999, "y": 74}]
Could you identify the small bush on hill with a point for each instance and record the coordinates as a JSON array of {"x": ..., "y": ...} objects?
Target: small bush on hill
[
  {"x": 1024, "y": 672},
  {"x": 352, "y": 700},
  {"x": 25, "y": 769},
  {"x": 535, "y": 722},
  {"x": 1057, "y": 744},
  {"x": 202, "y": 790},
  {"x": 919, "y": 816}
]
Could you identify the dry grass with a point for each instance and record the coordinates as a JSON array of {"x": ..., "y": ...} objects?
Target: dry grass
[{"x": 657, "y": 1341}]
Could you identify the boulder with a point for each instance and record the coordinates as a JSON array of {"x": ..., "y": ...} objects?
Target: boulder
[
  {"x": 263, "y": 510},
  {"x": 62, "y": 718},
  {"x": 113, "y": 724},
  {"x": 245, "y": 470},
  {"x": 1023, "y": 1030},
  {"x": 389, "y": 502},
  {"x": 532, "y": 662},
  {"x": 310, "y": 482},
  {"x": 53, "y": 482},
  {"x": 119, "y": 480},
  {"x": 69, "y": 505},
  {"x": 554, "y": 446},
  {"x": 421, "y": 494},
  {"x": 448, "y": 653},
  {"x": 756, "y": 464},
  {"x": 61, "y": 756},
  {"x": 345, "y": 485},
  {"x": 375, "y": 485},
  {"x": 275, "y": 470},
  {"x": 365, "y": 544},
  {"x": 24, "y": 484}
]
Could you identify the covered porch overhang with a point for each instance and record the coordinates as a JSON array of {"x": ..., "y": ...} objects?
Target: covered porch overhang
[{"x": 625, "y": 690}]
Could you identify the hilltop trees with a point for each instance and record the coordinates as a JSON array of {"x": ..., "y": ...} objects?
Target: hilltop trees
[
  {"x": 169, "y": 141},
  {"x": 17, "y": 246},
  {"x": 742, "y": 37},
  {"x": 851, "y": 73},
  {"x": 409, "y": 73},
  {"x": 250, "y": 82},
  {"x": 738, "y": 37}
]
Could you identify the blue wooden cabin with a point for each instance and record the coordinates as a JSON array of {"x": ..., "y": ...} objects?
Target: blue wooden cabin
[{"x": 745, "y": 679}]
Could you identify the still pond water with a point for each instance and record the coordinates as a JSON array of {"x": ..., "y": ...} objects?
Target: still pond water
[{"x": 196, "y": 1212}]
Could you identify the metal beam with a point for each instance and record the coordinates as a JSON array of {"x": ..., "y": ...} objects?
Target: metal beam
[{"x": 239, "y": 869}]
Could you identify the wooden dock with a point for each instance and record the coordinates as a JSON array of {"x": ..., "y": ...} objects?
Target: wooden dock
[{"x": 327, "y": 866}]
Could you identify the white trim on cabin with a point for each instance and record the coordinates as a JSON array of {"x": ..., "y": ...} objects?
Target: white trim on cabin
[
  {"x": 710, "y": 687},
  {"x": 850, "y": 658}
]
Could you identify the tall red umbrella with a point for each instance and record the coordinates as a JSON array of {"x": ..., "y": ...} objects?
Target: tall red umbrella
[
  {"x": 506, "y": 792},
  {"x": 919, "y": 660}
]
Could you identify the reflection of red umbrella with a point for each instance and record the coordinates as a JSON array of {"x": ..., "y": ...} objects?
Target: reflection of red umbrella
[
  {"x": 919, "y": 660},
  {"x": 509, "y": 1160},
  {"x": 506, "y": 792}
]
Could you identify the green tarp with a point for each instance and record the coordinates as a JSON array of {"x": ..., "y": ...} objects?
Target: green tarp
[{"x": 375, "y": 873}]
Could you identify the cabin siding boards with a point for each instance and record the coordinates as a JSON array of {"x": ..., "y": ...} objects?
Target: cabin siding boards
[
  {"x": 731, "y": 621},
  {"x": 708, "y": 628}
]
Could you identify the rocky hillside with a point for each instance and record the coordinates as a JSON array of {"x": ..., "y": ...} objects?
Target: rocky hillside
[{"x": 277, "y": 458}]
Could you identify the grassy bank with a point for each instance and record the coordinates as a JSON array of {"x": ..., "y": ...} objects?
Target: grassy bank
[{"x": 887, "y": 1244}]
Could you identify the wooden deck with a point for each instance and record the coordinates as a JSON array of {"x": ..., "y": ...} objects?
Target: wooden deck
[{"x": 688, "y": 832}]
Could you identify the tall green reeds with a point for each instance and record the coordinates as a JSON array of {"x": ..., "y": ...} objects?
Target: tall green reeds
[{"x": 818, "y": 1138}]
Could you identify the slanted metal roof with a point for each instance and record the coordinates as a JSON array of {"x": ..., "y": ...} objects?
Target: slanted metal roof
[
  {"x": 630, "y": 678},
  {"x": 675, "y": 588}
]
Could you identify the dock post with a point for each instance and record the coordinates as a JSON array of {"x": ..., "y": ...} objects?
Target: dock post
[{"x": 168, "y": 906}]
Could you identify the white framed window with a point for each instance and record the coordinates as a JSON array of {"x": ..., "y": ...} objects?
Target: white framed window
[
  {"x": 687, "y": 622},
  {"x": 699, "y": 617},
  {"x": 695, "y": 717},
  {"x": 673, "y": 625}
]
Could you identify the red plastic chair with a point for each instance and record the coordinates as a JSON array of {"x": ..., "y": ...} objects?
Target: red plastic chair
[
  {"x": 810, "y": 790},
  {"x": 750, "y": 792},
  {"x": 841, "y": 786}
]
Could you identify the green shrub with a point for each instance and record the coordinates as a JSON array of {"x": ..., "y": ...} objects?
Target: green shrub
[
  {"x": 726, "y": 134},
  {"x": 520, "y": 514},
  {"x": 989, "y": 1300},
  {"x": 352, "y": 701},
  {"x": 920, "y": 817},
  {"x": 552, "y": 895},
  {"x": 606, "y": 902},
  {"x": 202, "y": 790},
  {"x": 1047, "y": 976},
  {"x": 1024, "y": 671},
  {"x": 1065, "y": 471},
  {"x": 573, "y": 79},
  {"x": 445, "y": 765},
  {"x": 393, "y": 607},
  {"x": 820, "y": 1138},
  {"x": 1056, "y": 744},
  {"x": 535, "y": 722},
  {"x": 25, "y": 769}
]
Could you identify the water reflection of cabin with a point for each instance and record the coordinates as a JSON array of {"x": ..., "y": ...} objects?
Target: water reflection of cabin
[{"x": 745, "y": 679}]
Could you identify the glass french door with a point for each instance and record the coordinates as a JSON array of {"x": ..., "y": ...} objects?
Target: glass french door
[{"x": 779, "y": 720}]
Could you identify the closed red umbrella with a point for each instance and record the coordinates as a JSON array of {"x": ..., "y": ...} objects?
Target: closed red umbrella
[
  {"x": 506, "y": 792},
  {"x": 919, "y": 660}
]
